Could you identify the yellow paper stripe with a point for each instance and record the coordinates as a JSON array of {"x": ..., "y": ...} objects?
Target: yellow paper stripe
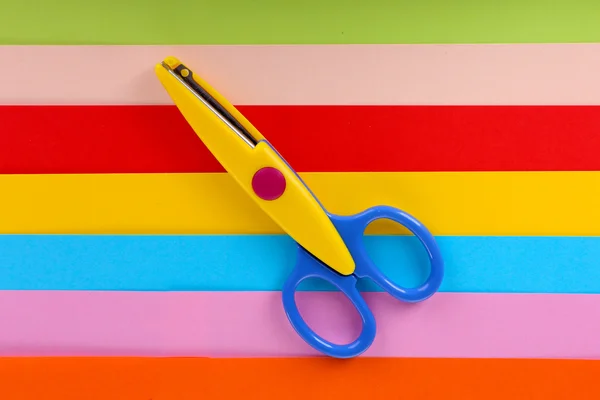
[{"x": 448, "y": 203}]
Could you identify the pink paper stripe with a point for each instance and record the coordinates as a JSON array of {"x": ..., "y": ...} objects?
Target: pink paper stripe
[
  {"x": 487, "y": 74},
  {"x": 225, "y": 324}
]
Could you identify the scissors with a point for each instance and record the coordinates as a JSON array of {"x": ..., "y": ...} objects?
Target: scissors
[{"x": 329, "y": 246}]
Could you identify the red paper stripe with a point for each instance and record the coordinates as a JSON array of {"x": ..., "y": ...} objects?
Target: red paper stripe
[{"x": 129, "y": 139}]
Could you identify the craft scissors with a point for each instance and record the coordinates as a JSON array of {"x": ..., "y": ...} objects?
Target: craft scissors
[{"x": 330, "y": 246}]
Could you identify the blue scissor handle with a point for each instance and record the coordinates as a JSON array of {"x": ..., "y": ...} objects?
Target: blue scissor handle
[
  {"x": 351, "y": 229},
  {"x": 309, "y": 267}
]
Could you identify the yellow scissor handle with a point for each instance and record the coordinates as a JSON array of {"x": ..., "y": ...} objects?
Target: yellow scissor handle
[{"x": 258, "y": 169}]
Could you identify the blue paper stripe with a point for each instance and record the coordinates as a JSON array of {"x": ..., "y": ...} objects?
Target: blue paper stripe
[{"x": 262, "y": 262}]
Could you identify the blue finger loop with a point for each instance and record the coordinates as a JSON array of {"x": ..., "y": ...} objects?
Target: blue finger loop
[
  {"x": 352, "y": 229},
  {"x": 309, "y": 267}
]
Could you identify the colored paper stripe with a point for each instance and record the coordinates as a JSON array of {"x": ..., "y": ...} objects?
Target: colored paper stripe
[
  {"x": 148, "y": 139},
  {"x": 482, "y": 74},
  {"x": 448, "y": 203},
  {"x": 179, "y": 378},
  {"x": 238, "y": 22},
  {"x": 262, "y": 263},
  {"x": 242, "y": 324}
]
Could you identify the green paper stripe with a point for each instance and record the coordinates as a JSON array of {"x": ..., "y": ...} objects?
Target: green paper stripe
[{"x": 298, "y": 22}]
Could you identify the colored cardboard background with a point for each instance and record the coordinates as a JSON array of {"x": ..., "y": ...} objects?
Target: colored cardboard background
[{"x": 431, "y": 22}]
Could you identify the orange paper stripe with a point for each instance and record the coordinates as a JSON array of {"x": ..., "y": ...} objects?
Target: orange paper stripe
[{"x": 302, "y": 378}]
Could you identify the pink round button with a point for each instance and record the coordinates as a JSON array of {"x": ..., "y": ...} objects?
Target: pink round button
[{"x": 268, "y": 183}]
